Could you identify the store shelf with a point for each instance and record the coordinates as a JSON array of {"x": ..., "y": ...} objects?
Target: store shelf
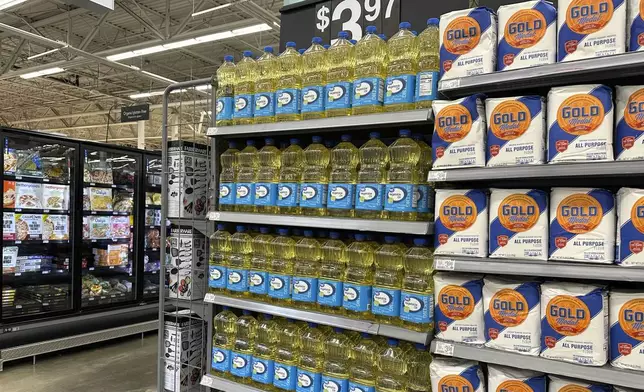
[
  {"x": 107, "y": 213},
  {"x": 605, "y": 374},
  {"x": 37, "y": 211},
  {"x": 326, "y": 124},
  {"x": 107, "y": 268},
  {"x": 34, "y": 242},
  {"x": 114, "y": 186},
  {"x": 321, "y": 318},
  {"x": 383, "y": 226},
  {"x": 108, "y": 240},
  {"x": 221, "y": 384},
  {"x": 10, "y": 177}
]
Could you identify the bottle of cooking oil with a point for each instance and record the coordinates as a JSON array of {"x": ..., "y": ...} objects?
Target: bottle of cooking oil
[
  {"x": 337, "y": 357},
  {"x": 364, "y": 356},
  {"x": 287, "y": 356},
  {"x": 309, "y": 369},
  {"x": 332, "y": 266},
  {"x": 382, "y": 37},
  {"x": 268, "y": 174},
  {"x": 418, "y": 375},
  {"x": 290, "y": 178},
  {"x": 219, "y": 252},
  {"x": 402, "y": 178},
  {"x": 417, "y": 305},
  {"x": 305, "y": 272},
  {"x": 245, "y": 73},
  {"x": 402, "y": 68},
  {"x": 326, "y": 47},
  {"x": 265, "y": 87},
  {"x": 342, "y": 180},
  {"x": 239, "y": 262},
  {"x": 260, "y": 264},
  {"x": 264, "y": 356},
  {"x": 281, "y": 271},
  {"x": 387, "y": 282},
  {"x": 297, "y": 234},
  {"x": 428, "y": 53},
  {"x": 371, "y": 72},
  {"x": 225, "y": 92},
  {"x": 341, "y": 64},
  {"x": 289, "y": 84},
  {"x": 372, "y": 177},
  {"x": 246, "y": 178},
  {"x": 392, "y": 365},
  {"x": 242, "y": 353},
  {"x": 228, "y": 178},
  {"x": 315, "y": 178},
  {"x": 358, "y": 279},
  {"x": 313, "y": 80},
  {"x": 223, "y": 341},
  {"x": 424, "y": 192}
]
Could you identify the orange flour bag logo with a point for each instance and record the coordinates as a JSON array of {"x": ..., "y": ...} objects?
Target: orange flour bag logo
[
  {"x": 574, "y": 388},
  {"x": 567, "y": 315},
  {"x": 631, "y": 320},
  {"x": 588, "y": 16},
  {"x": 518, "y": 213},
  {"x": 514, "y": 386},
  {"x": 456, "y": 302},
  {"x": 509, "y": 308},
  {"x": 455, "y": 383},
  {"x": 510, "y": 120},
  {"x": 634, "y": 110},
  {"x": 637, "y": 219},
  {"x": 580, "y": 114},
  {"x": 579, "y": 213},
  {"x": 462, "y": 35},
  {"x": 525, "y": 28},
  {"x": 457, "y": 213}
]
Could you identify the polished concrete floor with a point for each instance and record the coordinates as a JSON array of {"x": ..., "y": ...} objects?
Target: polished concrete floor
[{"x": 125, "y": 365}]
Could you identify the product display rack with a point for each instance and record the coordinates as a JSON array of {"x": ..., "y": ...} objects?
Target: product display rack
[{"x": 224, "y": 385}]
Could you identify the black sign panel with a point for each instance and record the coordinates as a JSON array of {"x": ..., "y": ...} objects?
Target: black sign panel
[
  {"x": 135, "y": 113},
  {"x": 495, "y": 4}
]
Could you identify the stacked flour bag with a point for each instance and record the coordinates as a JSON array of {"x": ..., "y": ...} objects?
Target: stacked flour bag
[
  {"x": 467, "y": 42},
  {"x": 635, "y": 26},
  {"x": 519, "y": 224},
  {"x": 630, "y": 227},
  {"x": 581, "y": 123},
  {"x": 456, "y": 375},
  {"x": 459, "y": 133},
  {"x": 516, "y": 131},
  {"x": 627, "y": 329},
  {"x": 574, "y": 324},
  {"x": 582, "y": 225},
  {"x": 461, "y": 222},
  {"x": 629, "y": 143},
  {"x": 590, "y": 28},
  {"x": 512, "y": 315},
  {"x": 459, "y": 307},
  {"x": 501, "y": 378},
  {"x": 562, "y": 384},
  {"x": 527, "y": 35}
]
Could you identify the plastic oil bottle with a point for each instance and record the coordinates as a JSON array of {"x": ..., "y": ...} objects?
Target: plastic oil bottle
[
  {"x": 388, "y": 282},
  {"x": 342, "y": 180},
  {"x": 259, "y": 264},
  {"x": 263, "y": 367},
  {"x": 428, "y": 65},
  {"x": 290, "y": 179},
  {"x": 239, "y": 262},
  {"x": 337, "y": 356},
  {"x": 332, "y": 267},
  {"x": 219, "y": 253},
  {"x": 358, "y": 279},
  {"x": 424, "y": 191},
  {"x": 223, "y": 341},
  {"x": 370, "y": 74},
  {"x": 246, "y": 178},
  {"x": 364, "y": 357},
  {"x": 268, "y": 174},
  {"x": 228, "y": 178},
  {"x": 402, "y": 178},
  {"x": 289, "y": 84},
  {"x": 242, "y": 354},
  {"x": 341, "y": 65},
  {"x": 245, "y": 73},
  {"x": 281, "y": 271},
  {"x": 306, "y": 271},
  {"x": 417, "y": 305},
  {"x": 402, "y": 68},
  {"x": 265, "y": 87},
  {"x": 315, "y": 178},
  {"x": 287, "y": 356},
  {"x": 392, "y": 365},
  {"x": 418, "y": 375},
  {"x": 225, "y": 92},
  {"x": 309, "y": 369},
  {"x": 372, "y": 176},
  {"x": 313, "y": 80}
]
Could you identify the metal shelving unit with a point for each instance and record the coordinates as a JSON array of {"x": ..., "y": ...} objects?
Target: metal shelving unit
[{"x": 221, "y": 384}]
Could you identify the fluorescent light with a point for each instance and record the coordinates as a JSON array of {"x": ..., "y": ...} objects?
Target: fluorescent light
[
  {"x": 121, "y": 56},
  {"x": 154, "y": 93},
  {"x": 160, "y": 77},
  {"x": 251, "y": 29},
  {"x": 153, "y": 49},
  {"x": 9, "y": 3},
  {"x": 214, "y": 37},
  {"x": 180, "y": 44},
  {"x": 35, "y": 56},
  {"x": 48, "y": 71},
  {"x": 211, "y": 9}
]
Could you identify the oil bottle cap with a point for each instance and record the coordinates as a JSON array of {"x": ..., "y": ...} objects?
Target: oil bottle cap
[
  {"x": 345, "y": 138},
  {"x": 312, "y": 325},
  {"x": 433, "y": 21},
  {"x": 404, "y": 133},
  {"x": 317, "y": 139},
  {"x": 228, "y": 58},
  {"x": 415, "y": 32},
  {"x": 334, "y": 235},
  {"x": 382, "y": 37},
  {"x": 250, "y": 142},
  {"x": 390, "y": 239},
  {"x": 343, "y": 35},
  {"x": 360, "y": 237},
  {"x": 326, "y": 46},
  {"x": 353, "y": 41},
  {"x": 420, "y": 346},
  {"x": 290, "y": 44},
  {"x": 241, "y": 228},
  {"x": 392, "y": 342},
  {"x": 374, "y": 135},
  {"x": 264, "y": 230},
  {"x": 338, "y": 329},
  {"x": 246, "y": 312},
  {"x": 371, "y": 29},
  {"x": 282, "y": 231},
  {"x": 417, "y": 136},
  {"x": 365, "y": 335},
  {"x": 225, "y": 307},
  {"x": 294, "y": 141},
  {"x": 290, "y": 320},
  {"x": 248, "y": 53},
  {"x": 404, "y": 25},
  {"x": 316, "y": 40},
  {"x": 268, "y": 49},
  {"x": 269, "y": 141},
  {"x": 267, "y": 316},
  {"x": 420, "y": 241},
  {"x": 221, "y": 226},
  {"x": 301, "y": 51},
  {"x": 308, "y": 233}
]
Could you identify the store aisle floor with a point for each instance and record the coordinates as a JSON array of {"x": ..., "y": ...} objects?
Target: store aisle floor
[{"x": 121, "y": 366}]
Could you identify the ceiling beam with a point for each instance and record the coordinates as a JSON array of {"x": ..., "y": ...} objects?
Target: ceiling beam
[
  {"x": 14, "y": 56},
  {"x": 140, "y": 19},
  {"x": 90, "y": 37},
  {"x": 47, "y": 21}
]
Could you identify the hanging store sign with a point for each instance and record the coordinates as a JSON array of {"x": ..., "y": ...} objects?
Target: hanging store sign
[
  {"x": 135, "y": 113},
  {"x": 94, "y": 5}
]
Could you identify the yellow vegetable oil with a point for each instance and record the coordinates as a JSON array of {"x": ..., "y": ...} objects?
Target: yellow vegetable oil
[
  {"x": 428, "y": 53},
  {"x": 332, "y": 266},
  {"x": 358, "y": 279},
  {"x": 242, "y": 354},
  {"x": 425, "y": 192},
  {"x": 265, "y": 87},
  {"x": 402, "y": 68},
  {"x": 337, "y": 357},
  {"x": 418, "y": 375},
  {"x": 306, "y": 272},
  {"x": 309, "y": 369},
  {"x": 406, "y": 346},
  {"x": 268, "y": 174},
  {"x": 314, "y": 68},
  {"x": 342, "y": 180},
  {"x": 287, "y": 356},
  {"x": 228, "y": 178},
  {"x": 246, "y": 178},
  {"x": 418, "y": 287},
  {"x": 219, "y": 253},
  {"x": 392, "y": 365},
  {"x": 264, "y": 356},
  {"x": 239, "y": 262},
  {"x": 353, "y": 335},
  {"x": 372, "y": 177},
  {"x": 315, "y": 178},
  {"x": 341, "y": 66},
  {"x": 223, "y": 341},
  {"x": 289, "y": 84},
  {"x": 245, "y": 73},
  {"x": 388, "y": 282},
  {"x": 281, "y": 271},
  {"x": 364, "y": 357},
  {"x": 288, "y": 191},
  {"x": 260, "y": 264},
  {"x": 225, "y": 92},
  {"x": 370, "y": 74},
  {"x": 402, "y": 178}
]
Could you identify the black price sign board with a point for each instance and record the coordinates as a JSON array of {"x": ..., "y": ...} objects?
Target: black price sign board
[{"x": 135, "y": 113}]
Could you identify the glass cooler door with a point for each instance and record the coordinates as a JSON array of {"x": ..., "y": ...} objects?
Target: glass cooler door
[{"x": 152, "y": 227}]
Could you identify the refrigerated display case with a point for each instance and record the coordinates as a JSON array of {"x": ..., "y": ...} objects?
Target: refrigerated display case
[{"x": 152, "y": 226}]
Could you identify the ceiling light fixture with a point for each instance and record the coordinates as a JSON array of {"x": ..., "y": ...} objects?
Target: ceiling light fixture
[
  {"x": 160, "y": 92},
  {"x": 10, "y": 3},
  {"x": 35, "y": 56},
  {"x": 219, "y": 7},
  {"x": 44, "y": 72}
]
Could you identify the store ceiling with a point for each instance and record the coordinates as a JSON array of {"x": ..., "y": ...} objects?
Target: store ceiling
[{"x": 82, "y": 100}]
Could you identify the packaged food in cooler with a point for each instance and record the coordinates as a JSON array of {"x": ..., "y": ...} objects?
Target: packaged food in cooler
[
  {"x": 9, "y": 199},
  {"x": 100, "y": 199},
  {"x": 28, "y": 163},
  {"x": 120, "y": 227},
  {"x": 124, "y": 176},
  {"x": 118, "y": 254},
  {"x": 10, "y": 160},
  {"x": 55, "y": 168},
  {"x": 152, "y": 238},
  {"x": 149, "y": 217},
  {"x": 123, "y": 202},
  {"x": 55, "y": 197},
  {"x": 8, "y": 226},
  {"x": 152, "y": 198},
  {"x": 28, "y": 195},
  {"x": 86, "y": 228},
  {"x": 9, "y": 259},
  {"x": 55, "y": 227},
  {"x": 99, "y": 227},
  {"x": 28, "y": 227},
  {"x": 87, "y": 205}
]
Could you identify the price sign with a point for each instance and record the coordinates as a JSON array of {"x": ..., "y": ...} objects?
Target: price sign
[
  {"x": 444, "y": 348},
  {"x": 444, "y": 264}
]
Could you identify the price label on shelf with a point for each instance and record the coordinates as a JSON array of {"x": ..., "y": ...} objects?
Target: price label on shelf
[
  {"x": 212, "y": 131},
  {"x": 45, "y": 180},
  {"x": 91, "y": 268},
  {"x": 92, "y": 183},
  {"x": 437, "y": 176},
  {"x": 18, "y": 274},
  {"x": 210, "y": 298},
  {"x": 450, "y": 84},
  {"x": 207, "y": 381},
  {"x": 45, "y": 241},
  {"x": 45, "y": 272},
  {"x": 213, "y": 216},
  {"x": 445, "y": 264},
  {"x": 444, "y": 348},
  {"x": 18, "y": 242}
]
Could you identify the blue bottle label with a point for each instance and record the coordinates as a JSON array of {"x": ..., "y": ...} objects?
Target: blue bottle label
[
  {"x": 225, "y": 108},
  {"x": 263, "y": 370},
  {"x": 245, "y": 193},
  {"x": 265, "y": 194},
  {"x": 308, "y": 381},
  {"x": 400, "y": 197},
  {"x": 332, "y": 384},
  {"x": 355, "y": 387},
  {"x": 313, "y": 195},
  {"x": 425, "y": 198},
  {"x": 416, "y": 308},
  {"x": 237, "y": 279},
  {"x": 330, "y": 292},
  {"x": 258, "y": 282},
  {"x": 285, "y": 376},
  {"x": 244, "y": 106},
  {"x": 368, "y": 91},
  {"x": 426, "y": 86},
  {"x": 341, "y": 196},
  {"x": 217, "y": 276},
  {"x": 287, "y": 194},
  {"x": 400, "y": 89},
  {"x": 227, "y": 193},
  {"x": 264, "y": 104},
  {"x": 356, "y": 297},
  {"x": 305, "y": 289},
  {"x": 370, "y": 197},
  {"x": 386, "y": 302},
  {"x": 288, "y": 101},
  {"x": 279, "y": 286},
  {"x": 240, "y": 364},
  {"x": 312, "y": 99},
  {"x": 220, "y": 359},
  {"x": 338, "y": 95}
]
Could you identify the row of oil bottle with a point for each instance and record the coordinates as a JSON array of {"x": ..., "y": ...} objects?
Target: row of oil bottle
[
  {"x": 359, "y": 277},
  {"x": 281, "y": 354},
  {"x": 346, "y": 79},
  {"x": 373, "y": 182}
]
